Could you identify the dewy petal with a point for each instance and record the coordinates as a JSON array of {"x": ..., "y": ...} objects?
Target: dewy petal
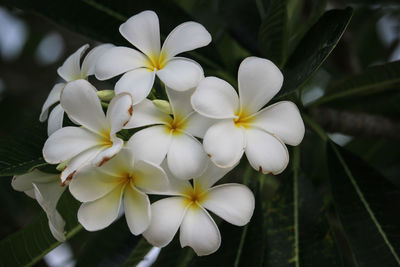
[
  {"x": 67, "y": 143},
  {"x": 55, "y": 120},
  {"x": 24, "y": 182},
  {"x": 211, "y": 175},
  {"x": 137, "y": 210},
  {"x": 199, "y": 231},
  {"x": 101, "y": 213},
  {"x": 71, "y": 69},
  {"x": 137, "y": 83},
  {"x": 79, "y": 100},
  {"x": 150, "y": 144},
  {"x": 149, "y": 177},
  {"x": 181, "y": 74},
  {"x": 143, "y": 31},
  {"x": 118, "y": 60},
  {"x": 283, "y": 120},
  {"x": 186, "y": 157},
  {"x": 215, "y": 98},
  {"x": 89, "y": 62},
  {"x": 197, "y": 125},
  {"x": 110, "y": 152},
  {"x": 185, "y": 37},
  {"x": 180, "y": 102},
  {"x": 166, "y": 217},
  {"x": 54, "y": 97},
  {"x": 266, "y": 153},
  {"x": 232, "y": 202},
  {"x": 259, "y": 80},
  {"x": 145, "y": 113},
  {"x": 224, "y": 143},
  {"x": 119, "y": 112}
]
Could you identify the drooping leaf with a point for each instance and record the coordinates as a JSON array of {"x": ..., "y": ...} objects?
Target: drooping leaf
[
  {"x": 315, "y": 47},
  {"x": 34, "y": 241},
  {"x": 367, "y": 206},
  {"x": 138, "y": 253}
]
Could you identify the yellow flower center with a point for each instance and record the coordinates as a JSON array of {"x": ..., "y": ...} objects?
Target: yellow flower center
[
  {"x": 194, "y": 196},
  {"x": 127, "y": 178},
  {"x": 156, "y": 61},
  {"x": 243, "y": 120},
  {"x": 176, "y": 126},
  {"x": 105, "y": 138}
]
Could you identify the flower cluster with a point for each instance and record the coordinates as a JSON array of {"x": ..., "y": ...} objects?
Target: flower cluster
[{"x": 178, "y": 149}]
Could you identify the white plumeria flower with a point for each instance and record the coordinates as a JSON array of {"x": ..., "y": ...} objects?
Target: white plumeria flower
[
  {"x": 47, "y": 190},
  {"x": 242, "y": 126},
  {"x": 187, "y": 210},
  {"x": 171, "y": 137},
  {"x": 71, "y": 70},
  {"x": 96, "y": 141},
  {"x": 103, "y": 189},
  {"x": 140, "y": 68}
]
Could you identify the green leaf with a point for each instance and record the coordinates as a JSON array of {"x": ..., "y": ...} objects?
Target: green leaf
[
  {"x": 372, "y": 80},
  {"x": 314, "y": 48},
  {"x": 367, "y": 205},
  {"x": 174, "y": 255},
  {"x": 138, "y": 253},
  {"x": 34, "y": 241},
  {"x": 272, "y": 36}
]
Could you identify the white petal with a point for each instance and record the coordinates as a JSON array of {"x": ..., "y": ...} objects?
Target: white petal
[
  {"x": 180, "y": 102},
  {"x": 101, "y": 213},
  {"x": 232, "y": 202},
  {"x": 166, "y": 217},
  {"x": 186, "y": 157},
  {"x": 149, "y": 177},
  {"x": 215, "y": 98},
  {"x": 55, "y": 120},
  {"x": 57, "y": 225},
  {"x": 137, "y": 83},
  {"x": 197, "y": 125},
  {"x": 199, "y": 231},
  {"x": 283, "y": 120},
  {"x": 181, "y": 74},
  {"x": 89, "y": 62},
  {"x": 211, "y": 175},
  {"x": 54, "y": 97},
  {"x": 91, "y": 183},
  {"x": 185, "y": 37},
  {"x": 119, "y": 112},
  {"x": 118, "y": 60},
  {"x": 145, "y": 113},
  {"x": 224, "y": 143},
  {"x": 67, "y": 143},
  {"x": 143, "y": 31},
  {"x": 122, "y": 163},
  {"x": 80, "y": 102},
  {"x": 24, "y": 182},
  {"x": 71, "y": 68},
  {"x": 259, "y": 80},
  {"x": 110, "y": 152},
  {"x": 266, "y": 153},
  {"x": 150, "y": 144},
  {"x": 176, "y": 186},
  {"x": 137, "y": 210}
]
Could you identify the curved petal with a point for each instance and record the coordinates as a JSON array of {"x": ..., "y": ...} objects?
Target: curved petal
[
  {"x": 149, "y": 177},
  {"x": 211, "y": 175},
  {"x": 215, "y": 98},
  {"x": 166, "y": 217},
  {"x": 101, "y": 213},
  {"x": 80, "y": 102},
  {"x": 186, "y": 157},
  {"x": 180, "y": 102},
  {"x": 232, "y": 202},
  {"x": 145, "y": 113},
  {"x": 185, "y": 37},
  {"x": 150, "y": 144},
  {"x": 176, "y": 187},
  {"x": 56, "y": 119},
  {"x": 181, "y": 74},
  {"x": 118, "y": 60},
  {"x": 89, "y": 62},
  {"x": 57, "y": 225},
  {"x": 282, "y": 119},
  {"x": 197, "y": 125},
  {"x": 137, "y": 210},
  {"x": 109, "y": 152},
  {"x": 119, "y": 112},
  {"x": 71, "y": 68},
  {"x": 122, "y": 163},
  {"x": 24, "y": 182},
  {"x": 224, "y": 143},
  {"x": 67, "y": 143},
  {"x": 143, "y": 31},
  {"x": 137, "y": 83},
  {"x": 53, "y": 97},
  {"x": 259, "y": 80},
  {"x": 266, "y": 153},
  {"x": 199, "y": 231}
]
